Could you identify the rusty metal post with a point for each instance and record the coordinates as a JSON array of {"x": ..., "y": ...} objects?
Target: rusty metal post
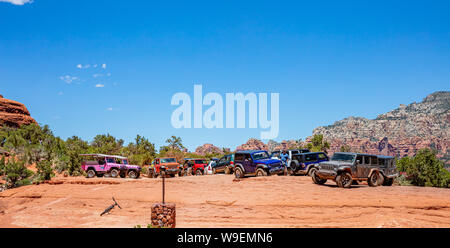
[{"x": 163, "y": 175}]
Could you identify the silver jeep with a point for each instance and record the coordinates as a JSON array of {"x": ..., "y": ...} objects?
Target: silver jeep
[{"x": 348, "y": 168}]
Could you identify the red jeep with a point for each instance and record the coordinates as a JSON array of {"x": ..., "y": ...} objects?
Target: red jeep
[
  {"x": 171, "y": 166},
  {"x": 194, "y": 166}
]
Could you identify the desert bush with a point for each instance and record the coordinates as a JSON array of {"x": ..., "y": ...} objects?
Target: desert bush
[
  {"x": 317, "y": 144},
  {"x": 16, "y": 171},
  {"x": 425, "y": 169},
  {"x": 44, "y": 170}
]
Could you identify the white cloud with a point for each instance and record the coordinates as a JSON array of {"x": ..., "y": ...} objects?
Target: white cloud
[
  {"x": 104, "y": 66},
  {"x": 68, "y": 79},
  {"x": 99, "y": 85},
  {"x": 80, "y": 66},
  {"x": 97, "y": 75},
  {"x": 109, "y": 109},
  {"x": 17, "y": 2}
]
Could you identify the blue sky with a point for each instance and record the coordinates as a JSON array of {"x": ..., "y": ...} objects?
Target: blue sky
[{"x": 327, "y": 59}]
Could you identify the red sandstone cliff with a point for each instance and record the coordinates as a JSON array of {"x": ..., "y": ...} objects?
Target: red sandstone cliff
[{"x": 14, "y": 114}]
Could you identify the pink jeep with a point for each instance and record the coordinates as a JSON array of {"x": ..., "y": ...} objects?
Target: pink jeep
[{"x": 109, "y": 165}]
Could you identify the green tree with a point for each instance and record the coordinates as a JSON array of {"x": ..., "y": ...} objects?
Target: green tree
[
  {"x": 74, "y": 147},
  {"x": 425, "y": 169},
  {"x": 107, "y": 144},
  {"x": 141, "y": 152},
  {"x": 317, "y": 144},
  {"x": 15, "y": 172},
  {"x": 44, "y": 170},
  {"x": 175, "y": 143}
]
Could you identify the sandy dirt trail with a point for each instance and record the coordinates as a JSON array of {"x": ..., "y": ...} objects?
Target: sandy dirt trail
[{"x": 218, "y": 201}]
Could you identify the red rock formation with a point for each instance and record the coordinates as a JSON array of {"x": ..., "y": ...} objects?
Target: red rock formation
[
  {"x": 253, "y": 144},
  {"x": 14, "y": 114},
  {"x": 209, "y": 148},
  {"x": 401, "y": 132}
]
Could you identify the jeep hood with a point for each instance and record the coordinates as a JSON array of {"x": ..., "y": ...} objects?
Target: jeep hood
[
  {"x": 267, "y": 161},
  {"x": 171, "y": 165},
  {"x": 335, "y": 163}
]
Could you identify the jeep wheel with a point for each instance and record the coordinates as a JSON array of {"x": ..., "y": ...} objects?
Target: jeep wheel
[
  {"x": 260, "y": 172},
  {"x": 316, "y": 179},
  {"x": 238, "y": 172},
  {"x": 388, "y": 181},
  {"x": 132, "y": 174},
  {"x": 198, "y": 172},
  {"x": 90, "y": 173},
  {"x": 344, "y": 180},
  {"x": 373, "y": 179},
  {"x": 114, "y": 173}
]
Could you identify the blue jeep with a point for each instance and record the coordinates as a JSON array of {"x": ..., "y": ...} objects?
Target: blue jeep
[
  {"x": 304, "y": 163},
  {"x": 256, "y": 163}
]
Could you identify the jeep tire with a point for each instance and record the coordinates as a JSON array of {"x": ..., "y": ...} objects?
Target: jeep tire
[
  {"x": 344, "y": 180},
  {"x": 316, "y": 179},
  {"x": 238, "y": 172},
  {"x": 133, "y": 174},
  {"x": 373, "y": 179},
  {"x": 260, "y": 172},
  {"x": 90, "y": 173},
  {"x": 114, "y": 173}
]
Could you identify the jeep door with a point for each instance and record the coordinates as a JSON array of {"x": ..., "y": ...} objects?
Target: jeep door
[
  {"x": 248, "y": 164},
  {"x": 364, "y": 168},
  {"x": 221, "y": 164}
]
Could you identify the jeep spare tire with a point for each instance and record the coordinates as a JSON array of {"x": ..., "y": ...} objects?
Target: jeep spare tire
[{"x": 344, "y": 180}]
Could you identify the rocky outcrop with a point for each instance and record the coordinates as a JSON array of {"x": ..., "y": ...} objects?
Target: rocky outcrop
[
  {"x": 401, "y": 132},
  {"x": 14, "y": 114},
  {"x": 210, "y": 148},
  {"x": 252, "y": 144}
]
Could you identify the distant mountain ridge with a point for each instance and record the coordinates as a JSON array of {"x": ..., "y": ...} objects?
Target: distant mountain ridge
[{"x": 399, "y": 132}]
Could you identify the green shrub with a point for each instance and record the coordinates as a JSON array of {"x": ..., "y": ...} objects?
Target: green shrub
[
  {"x": 44, "y": 170},
  {"x": 425, "y": 169},
  {"x": 15, "y": 172}
]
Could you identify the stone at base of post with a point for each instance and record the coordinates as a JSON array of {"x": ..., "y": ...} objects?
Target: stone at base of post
[{"x": 163, "y": 215}]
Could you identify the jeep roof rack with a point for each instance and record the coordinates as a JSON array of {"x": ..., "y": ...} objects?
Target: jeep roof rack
[{"x": 104, "y": 155}]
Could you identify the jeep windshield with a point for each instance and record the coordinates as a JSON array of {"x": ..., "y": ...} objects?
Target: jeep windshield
[
  {"x": 343, "y": 157},
  {"x": 260, "y": 155},
  {"x": 168, "y": 160}
]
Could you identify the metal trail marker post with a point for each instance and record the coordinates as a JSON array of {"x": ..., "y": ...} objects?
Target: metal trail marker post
[
  {"x": 163, "y": 175},
  {"x": 162, "y": 214}
]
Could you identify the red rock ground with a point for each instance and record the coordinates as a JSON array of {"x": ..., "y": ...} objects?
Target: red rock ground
[{"x": 218, "y": 201}]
